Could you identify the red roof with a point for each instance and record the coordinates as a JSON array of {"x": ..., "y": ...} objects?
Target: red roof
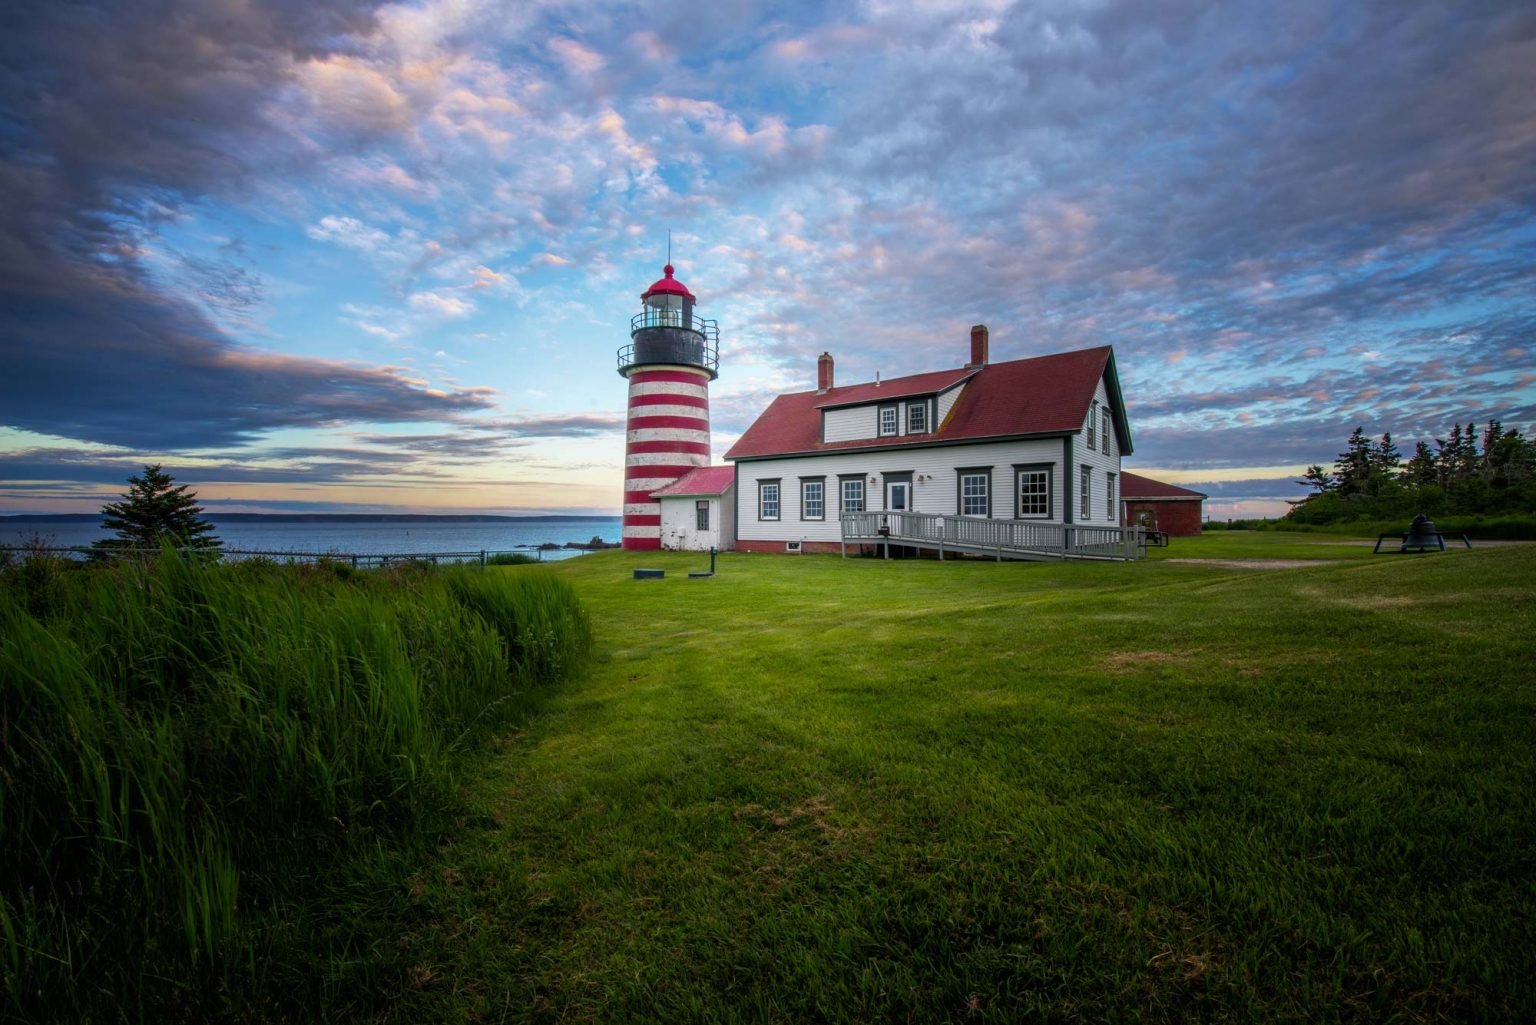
[
  {"x": 668, "y": 285},
  {"x": 706, "y": 480},
  {"x": 1135, "y": 486},
  {"x": 889, "y": 391},
  {"x": 1042, "y": 395}
]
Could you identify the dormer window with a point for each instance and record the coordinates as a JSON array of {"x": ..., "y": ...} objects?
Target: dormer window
[
  {"x": 917, "y": 418},
  {"x": 887, "y": 421}
]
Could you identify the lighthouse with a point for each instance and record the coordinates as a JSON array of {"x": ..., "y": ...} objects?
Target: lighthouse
[{"x": 671, "y": 357}]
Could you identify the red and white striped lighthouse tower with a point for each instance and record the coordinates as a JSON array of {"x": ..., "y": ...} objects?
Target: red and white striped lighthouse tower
[{"x": 671, "y": 357}]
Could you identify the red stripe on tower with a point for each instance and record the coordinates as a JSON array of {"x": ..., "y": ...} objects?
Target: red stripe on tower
[
  {"x": 668, "y": 399},
  {"x": 669, "y": 363},
  {"x": 698, "y": 448}
]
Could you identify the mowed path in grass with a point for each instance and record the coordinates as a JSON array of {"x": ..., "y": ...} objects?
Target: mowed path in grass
[{"x": 812, "y": 789}]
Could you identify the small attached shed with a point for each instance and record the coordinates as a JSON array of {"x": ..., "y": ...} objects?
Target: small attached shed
[
  {"x": 1159, "y": 506},
  {"x": 698, "y": 510}
]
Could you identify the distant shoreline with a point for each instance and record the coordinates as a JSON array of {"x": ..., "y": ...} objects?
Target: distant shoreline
[{"x": 215, "y": 517}]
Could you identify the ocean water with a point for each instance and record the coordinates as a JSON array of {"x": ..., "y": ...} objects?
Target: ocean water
[{"x": 375, "y": 537}]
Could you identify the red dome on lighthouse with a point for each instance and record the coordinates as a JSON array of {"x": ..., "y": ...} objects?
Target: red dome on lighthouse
[{"x": 668, "y": 285}]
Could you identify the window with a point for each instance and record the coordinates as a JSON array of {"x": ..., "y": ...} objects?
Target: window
[
  {"x": 917, "y": 418},
  {"x": 1034, "y": 492},
  {"x": 1104, "y": 429},
  {"x": 1093, "y": 418},
  {"x": 853, "y": 494},
  {"x": 701, "y": 510},
  {"x": 976, "y": 492},
  {"x": 887, "y": 421},
  {"x": 1086, "y": 505},
  {"x": 1109, "y": 498},
  {"x": 813, "y": 499},
  {"x": 768, "y": 500}
]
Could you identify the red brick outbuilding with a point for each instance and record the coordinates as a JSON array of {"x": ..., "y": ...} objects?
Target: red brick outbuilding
[{"x": 1159, "y": 506}]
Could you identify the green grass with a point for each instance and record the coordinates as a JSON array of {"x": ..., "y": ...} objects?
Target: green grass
[
  {"x": 812, "y": 789},
  {"x": 215, "y": 779},
  {"x": 1241, "y": 544}
]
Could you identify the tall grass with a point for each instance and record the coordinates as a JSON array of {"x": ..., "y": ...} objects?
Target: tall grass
[{"x": 202, "y": 767}]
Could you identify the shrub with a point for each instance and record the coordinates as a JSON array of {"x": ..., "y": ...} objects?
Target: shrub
[{"x": 510, "y": 559}]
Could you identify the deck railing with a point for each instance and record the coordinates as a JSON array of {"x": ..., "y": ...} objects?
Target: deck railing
[{"x": 1005, "y": 538}]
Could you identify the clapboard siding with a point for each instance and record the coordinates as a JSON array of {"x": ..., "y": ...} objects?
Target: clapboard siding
[
  {"x": 935, "y": 482},
  {"x": 849, "y": 424},
  {"x": 947, "y": 402}
]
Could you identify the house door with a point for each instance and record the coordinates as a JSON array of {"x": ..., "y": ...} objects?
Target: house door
[{"x": 898, "y": 495}]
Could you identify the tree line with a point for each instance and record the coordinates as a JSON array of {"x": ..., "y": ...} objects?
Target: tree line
[{"x": 1467, "y": 472}]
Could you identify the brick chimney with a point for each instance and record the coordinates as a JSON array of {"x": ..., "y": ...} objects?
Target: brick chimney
[
  {"x": 978, "y": 346},
  {"x": 824, "y": 372}
]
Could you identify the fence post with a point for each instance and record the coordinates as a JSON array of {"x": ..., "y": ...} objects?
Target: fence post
[{"x": 482, "y": 558}]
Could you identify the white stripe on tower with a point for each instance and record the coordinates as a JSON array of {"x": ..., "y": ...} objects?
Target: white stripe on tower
[{"x": 667, "y": 436}]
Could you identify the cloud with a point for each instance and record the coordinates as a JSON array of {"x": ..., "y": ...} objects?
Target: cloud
[
  {"x": 577, "y": 59},
  {"x": 349, "y": 233},
  {"x": 134, "y": 112},
  {"x": 441, "y": 303},
  {"x": 1235, "y": 197}
]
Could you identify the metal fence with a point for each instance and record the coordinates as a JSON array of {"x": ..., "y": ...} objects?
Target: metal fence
[{"x": 357, "y": 560}]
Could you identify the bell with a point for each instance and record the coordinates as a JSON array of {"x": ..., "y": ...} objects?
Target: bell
[{"x": 1422, "y": 534}]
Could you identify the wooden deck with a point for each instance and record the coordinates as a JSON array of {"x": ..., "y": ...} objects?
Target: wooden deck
[{"x": 999, "y": 539}]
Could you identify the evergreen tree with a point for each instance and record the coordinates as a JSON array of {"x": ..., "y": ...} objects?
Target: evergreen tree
[
  {"x": 155, "y": 510},
  {"x": 1319, "y": 478},
  {"x": 1352, "y": 468},
  {"x": 1387, "y": 457},
  {"x": 1458, "y": 455},
  {"x": 1422, "y": 469}
]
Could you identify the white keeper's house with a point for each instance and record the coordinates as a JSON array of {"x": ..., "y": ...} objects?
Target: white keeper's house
[{"x": 1027, "y": 441}]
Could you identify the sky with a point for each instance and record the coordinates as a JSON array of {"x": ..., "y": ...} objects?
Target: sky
[{"x": 349, "y": 257}]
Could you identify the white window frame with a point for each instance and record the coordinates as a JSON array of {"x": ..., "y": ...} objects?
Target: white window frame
[
  {"x": 842, "y": 494},
  {"x": 1093, "y": 419},
  {"x": 1109, "y": 497},
  {"x": 1085, "y": 501},
  {"x": 819, "y": 502},
  {"x": 1104, "y": 430},
  {"x": 981, "y": 494},
  {"x": 765, "y": 488},
  {"x": 1041, "y": 498},
  {"x": 895, "y": 426},
  {"x": 921, "y": 411}
]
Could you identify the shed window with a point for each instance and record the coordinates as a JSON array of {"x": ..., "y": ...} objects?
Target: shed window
[{"x": 701, "y": 512}]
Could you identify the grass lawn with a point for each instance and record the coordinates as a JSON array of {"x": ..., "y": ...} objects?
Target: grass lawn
[{"x": 812, "y": 789}]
